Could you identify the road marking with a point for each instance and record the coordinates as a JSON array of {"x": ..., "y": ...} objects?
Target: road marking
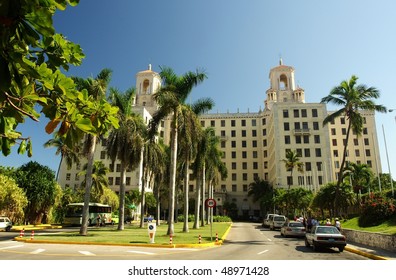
[
  {"x": 38, "y": 251},
  {"x": 141, "y": 252},
  {"x": 262, "y": 252},
  {"x": 9, "y": 247},
  {"x": 269, "y": 239},
  {"x": 87, "y": 253}
]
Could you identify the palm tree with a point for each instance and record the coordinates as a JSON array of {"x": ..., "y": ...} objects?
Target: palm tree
[
  {"x": 67, "y": 153},
  {"x": 96, "y": 88},
  {"x": 352, "y": 98},
  {"x": 99, "y": 177},
  {"x": 261, "y": 191},
  {"x": 359, "y": 175},
  {"x": 292, "y": 161},
  {"x": 171, "y": 98},
  {"x": 125, "y": 143}
]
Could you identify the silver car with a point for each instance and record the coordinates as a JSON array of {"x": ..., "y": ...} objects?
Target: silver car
[
  {"x": 325, "y": 237},
  {"x": 293, "y": 228}
]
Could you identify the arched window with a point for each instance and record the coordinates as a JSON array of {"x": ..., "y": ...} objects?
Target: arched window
[
  {"x": 146, "y": 84},
  {"x": 283, "y": 82}
]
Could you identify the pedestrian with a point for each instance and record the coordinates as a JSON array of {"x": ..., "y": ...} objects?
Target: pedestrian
[
  {"x": 328, "y": 223},
  {"x": 98, "y": 220},
  {"x": 337, "y": 224}
]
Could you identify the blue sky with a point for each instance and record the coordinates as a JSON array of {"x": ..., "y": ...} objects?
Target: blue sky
[{"x": 237, "y": 43}]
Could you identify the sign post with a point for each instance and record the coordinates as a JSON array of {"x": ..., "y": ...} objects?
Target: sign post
[
  {"x": 210, "y": 203},
  {"x": 151, "y": 231}
]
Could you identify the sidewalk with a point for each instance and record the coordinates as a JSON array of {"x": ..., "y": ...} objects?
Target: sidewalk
[{"x": 370, "y": 252}]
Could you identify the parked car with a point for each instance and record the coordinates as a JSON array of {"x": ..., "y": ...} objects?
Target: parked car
[
  {"x": 293, "y": 228},
  {"x": 5, "y": 223},
  {"x": 267, "y": 219},
  {"x": 325, "y": 237},
  {"x": 277, "y": 222}
]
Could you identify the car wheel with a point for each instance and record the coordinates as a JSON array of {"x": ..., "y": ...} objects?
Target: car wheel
[
  {"x": 341, "y": 249},
  {"x": 8, "y": 228},
  {"x": 307, "y": 243},
  {"x": 315, "y": 247}
]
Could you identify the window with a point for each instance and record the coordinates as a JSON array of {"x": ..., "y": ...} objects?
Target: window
[
  {"x": 255, "y": 154},
  {"x": 254, "y": 143},
  {"x": 298, "y": 139},
  {"x": 128, "y": 181},
  {"x": 342, "y": 120},
  {"x": 264, "y": 121},
  {"x": 299, "y": 152},
  {"x": 243, "y": 133},
  {"x": 357, "y": 153},
  {"x": 307, "y": 152},
  {"x": 296, "y": 113},
  {"x": 335, "y": 153},
  {"x": 244, "y": 176},
  {"x": 212, "y": 123},
  {"x": 265, "y": 153},
  {"x": 366, "y": 141},
  {"x": 233, "y": 144},
  {"x": 365, "y": 131},
  {"x": 102, "y": 154},
  {"x": 289, "y": 180},
  {"x": 234, "y": 188},
  {"x": 265, "y": 143},
  {"x": 245, "y": 188},
  {"x": 317, "y": 139},
  {"x": 117, "y": 181},
  {"x": 255, "y": 165},
  {"x": 343, "y": 131},
  {"x": 233, "y": 154},
  {"x": 285, "y": 113},
  {"x": 308, "y": 166},
  {"x": 287, "y": 139},
  {"x": 264, "y": 132},
  {"x": 337, "y": 164},
  {"x": 232, "y": 122},
  {"x": 334, "y": 142},
  {"x": 306, "y": 139},
  {"x": 233, "y": 176},
  {"x": 356, "y": 142},
  {"x": 243, "y": 122},
  {"x": 319, "y": 166},
  {"x": 68, "y": 175},
  {"x": 304, "y": 113},
  {"x": 315, "y": 125},
  {"x": 369, "y": 163},
  {"x": 191, "y": 188},
  {"x": 333, "y": 131},
  {"x": 297, "y": 125},
  {"x": 223, "y": 123},
  {"x": 111, "y": 167},
  {"x": 286, "y": 126},
  {"x": 111, "y": 179},
  {"x": 318, "y": 152},
  {"x": 233, "y": 165},
  {"x": 233, "y": 133},
  {"x": 243, "y": 144},
  {"x": 244, "y": 154},
  {"x": 265, "y": 164},
  {"x": 315, "y": 113},
  {"x": 118, "y": 167},
  {"x": 244, "y": 165},
  {"x": 223, "y": 144},
  {"x": 203, "y": 123},
  {"x": 254, "y": 133},
  {"x": 368, "y": 153}
]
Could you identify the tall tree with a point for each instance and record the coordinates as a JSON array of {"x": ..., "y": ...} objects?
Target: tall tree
[
  {"x": 360, "y": 175},
  {"x": 291, "y": 162},
  {"x": 171, "y": 98},
  {"x": 352, "y": 98},
  {"x": 125, "y": 143},
  {"x": 100, "y": 180},
  {"x": 96, "y": 88}
]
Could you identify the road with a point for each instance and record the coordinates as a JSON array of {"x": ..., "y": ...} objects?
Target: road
[{"x": 246, "y": 241}]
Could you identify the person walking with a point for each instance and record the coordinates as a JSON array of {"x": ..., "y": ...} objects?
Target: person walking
[{"x": 337, "y": 224}]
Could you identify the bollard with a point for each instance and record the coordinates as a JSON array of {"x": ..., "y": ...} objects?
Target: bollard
[
  {"x": 32, "y": 235},
  {"x": 170, "y": 239},
  {"x": 217, "y": 237},
  {"x": 199, "y": 239},
  {"x": 22, "y": 233}
]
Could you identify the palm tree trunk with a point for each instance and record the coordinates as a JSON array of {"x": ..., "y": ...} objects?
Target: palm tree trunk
[
  {"x": 186, "y": 182},
  {"x": 172, "y": 183},
  {"x": 197, "y": 200},
  {"x": 143, "y": 194},
  {"x": 158, "y": 207},
  {"x": 203, "y": 197},
  {"x": 122, "y": 198},
  {"x": 88, "y": 184}
]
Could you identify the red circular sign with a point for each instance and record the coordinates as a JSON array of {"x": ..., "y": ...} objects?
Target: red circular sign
[{"x": 210, "y": 202}]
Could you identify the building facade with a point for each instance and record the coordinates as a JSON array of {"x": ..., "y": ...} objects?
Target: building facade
[{"x": 254, "y": 144}]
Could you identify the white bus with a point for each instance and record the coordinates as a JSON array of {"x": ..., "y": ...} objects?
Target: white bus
[{"x": 74, "y": 213}]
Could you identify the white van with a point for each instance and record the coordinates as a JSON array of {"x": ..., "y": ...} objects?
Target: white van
[
  {"x": 267, "y": 219},
  {"x": 5, "y": 223},
  {"x": 277, "y": 222}
]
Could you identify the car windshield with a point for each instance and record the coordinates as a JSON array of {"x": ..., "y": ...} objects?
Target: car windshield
[
  {"x": 328, "y": 230},
  {"x": 279, "y": 218}
]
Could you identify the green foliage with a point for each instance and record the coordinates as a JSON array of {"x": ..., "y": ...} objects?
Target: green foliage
[
  {"x": 376, "y": 209},
  {"x": 31, "y": 56},
  {"x": 12, "y": 199},
  {"x": 180, "y": 218},
  {"x": 222, "y": 219},
  {"x": 41, "y": 190}
]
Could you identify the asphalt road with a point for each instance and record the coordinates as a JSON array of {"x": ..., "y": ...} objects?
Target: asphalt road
[{"x": 246, "y": 241}]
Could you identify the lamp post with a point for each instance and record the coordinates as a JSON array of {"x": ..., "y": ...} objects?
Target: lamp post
[{"x": 387, "y": 157}]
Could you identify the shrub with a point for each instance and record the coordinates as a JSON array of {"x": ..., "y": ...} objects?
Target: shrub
[
  {"x": 221, "y": 219},
  {"x": 376, "y": 209}
]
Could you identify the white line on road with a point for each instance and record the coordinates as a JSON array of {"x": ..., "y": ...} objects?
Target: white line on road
[
  {"x": 269, "y": 239},
  {"x": 38, "y": 251},
  {"x": 141, "y": 252},
  {"x": 10, "y": 247},
  {"x": 262, "y": 252},
  {"x": 87, "y": 253}
]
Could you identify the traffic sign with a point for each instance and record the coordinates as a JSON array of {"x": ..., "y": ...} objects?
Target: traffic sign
[{"x": 210, "y": 202}]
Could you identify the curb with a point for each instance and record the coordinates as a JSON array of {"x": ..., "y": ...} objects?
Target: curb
[{"x": 365, "y": 254}]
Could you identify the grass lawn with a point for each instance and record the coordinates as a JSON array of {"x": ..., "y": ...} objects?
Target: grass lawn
[
  {"x": 387, "y": 227},
  {"x": 133, "y": 234}
]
